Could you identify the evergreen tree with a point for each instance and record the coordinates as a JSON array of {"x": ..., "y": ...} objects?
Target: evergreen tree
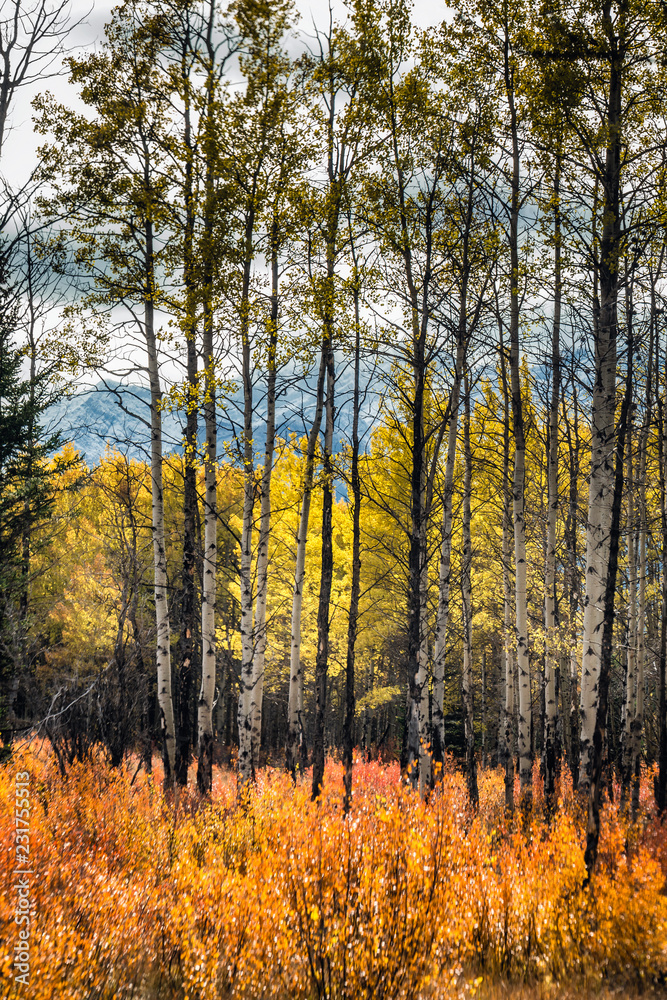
[{"x": 28, "y": 486}]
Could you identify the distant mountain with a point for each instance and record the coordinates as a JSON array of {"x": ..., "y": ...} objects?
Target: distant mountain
[
  {"x": 110, "y": 415},
  {"x": 113, "y": 415}
]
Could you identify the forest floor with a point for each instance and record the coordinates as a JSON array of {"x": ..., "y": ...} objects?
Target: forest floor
[
  {"x": 136, "y": 894},
  {"x": 553, "y": 991},
  {"x": 475, "y": 987}
]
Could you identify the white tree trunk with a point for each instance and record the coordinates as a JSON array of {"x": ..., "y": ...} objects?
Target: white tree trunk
[
  {"x": 295, "y": 697},
  {"x": 425, "y": 758},
  {"x": 245, "y": 760},
  {"x": 507, "y": 736},
  {"x": 603, "y": 422},
  {"x": 572, "y": 579},
  {"x": 508, "y": 664},
  {"x": 466, "y": 594},
  {"x": 210, "y": 554},
  {"x": 521, "y": 599},
  {"x": 444, "y": 584},
  {"x": 550, "y": 650},
  {"x": 551, "y": 748},
  {"x": 638, "y": 720},
  {"x": 628, "y": 708},
  {"x": 601, "y": 488},
  {"x": 442, "y": 617},
  {"x": 163, "y": 650},
  {"x": 264, "y": 529},
  {"x": 518, "y": 484},
  {"x": 209, "y": 569}
]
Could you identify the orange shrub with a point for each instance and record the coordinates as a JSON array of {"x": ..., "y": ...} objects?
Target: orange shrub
[{"x": 137, "y": 896}]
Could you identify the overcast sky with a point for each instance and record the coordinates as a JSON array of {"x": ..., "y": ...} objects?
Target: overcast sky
[
  {"x": 19, "y": 151},
  {"x": 19, "y": 148}
]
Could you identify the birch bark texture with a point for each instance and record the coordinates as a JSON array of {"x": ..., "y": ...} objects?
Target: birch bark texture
[
  {"x": 507, "y": 741},
  {"x": 519, "y": 479},
  {"x": 551, "y": 748},
  {"x": 245, "y": 759},
  {"x": 295, "y": 726},
  {"x": 466, "y": 596},
  {"x": 210, "y": 553},
  {"x": 603, "y": 416},
  {"x": 355, "y": 484},
  {"x": 209, "y": 568},
  {"x": 160, "y": 588},
  {"x": 255, "y": 140},
  {"x": 259, "y": 641}
]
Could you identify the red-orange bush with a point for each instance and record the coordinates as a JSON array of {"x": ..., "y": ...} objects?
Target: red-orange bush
[{"x": 137, "y": 896}]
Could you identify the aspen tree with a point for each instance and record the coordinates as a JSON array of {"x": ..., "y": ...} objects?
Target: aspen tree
[
  {"x": 614, "y": 87},
  {"x": 661, "y": 782},
  {"x": 355, "y": 484},
  {"x": 107, "y": 173},
  {"x": 466, "y": 565},
  {"x": 652, "y": 372},
  {"x": 212, "y": 63},
  {"x": 602, "y": 438},
  {"x": 630, "y": 679},
  {"x": 549, "y": 93},
  {"x": 602, "y": 54},
  {"x": 31, "y": 38},
  {"x": 498, "y": 49},
  {"x": 210, "y": 554},
  {"x": 635, "y": 702},
  {"x": 321, "y": 660},
  {"x": 484, "y": 681},
  {"x": 199, "y": 50},
  {"x": 386, "y": 28},
  {"x": 551, "y": 749},
  {"x": 598, "y": 741},
  {"x": 288, "y": 155},
  {"x": 332, "y": 215},
  {"x": 508, "y": 724},
  {"x": 637, "y": 724},
  {"x": 404, "y": 207},
  {"x": 574, "y": 450},
  {"x": 284, "y": 164},
  {"x": 470, "y": 259},
  {"x": 555, "y": 94},
  {"x": 336, "y": 75},
  {"x": 259, "y": 644},
  {"x": 253, "y": 119},
  {"x": 518, "y": 428},
  {"x": 295, "y": 723},
  {"x": 196, "y": 50},
  {"x": 187, "y": 652}
]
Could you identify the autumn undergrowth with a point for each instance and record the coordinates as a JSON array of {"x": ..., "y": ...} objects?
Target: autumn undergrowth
[{"x": 139, "y": 896}]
